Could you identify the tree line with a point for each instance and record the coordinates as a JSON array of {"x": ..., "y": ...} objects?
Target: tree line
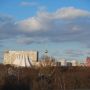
[{"x": 44, "y": 78}]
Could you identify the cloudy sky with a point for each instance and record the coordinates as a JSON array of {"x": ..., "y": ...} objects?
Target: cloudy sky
[{"x": 60, "y": 26}]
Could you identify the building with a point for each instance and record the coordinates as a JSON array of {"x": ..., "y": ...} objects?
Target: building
[
  {"x": 88, "y": 61},
  {"x": 63, "y": 62},
  {"x": 58, "y": 63},
  {"x": 20, "y": 58},
  {"x": 69, "y": 64},
  {"x": 74, "y": 63}
]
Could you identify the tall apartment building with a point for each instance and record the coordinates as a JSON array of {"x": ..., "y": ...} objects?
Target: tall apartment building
[{"x": 11, "y": 56}]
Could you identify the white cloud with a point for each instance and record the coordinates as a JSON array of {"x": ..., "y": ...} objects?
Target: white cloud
[
  {"x": 46, "y": 21},
  {"x": 30, "y": 40},
  {"x": 70, "y": 13},
  {"x": 76, "y": 28},
  {"x": 8, "y": 28},
  {"x": 24, "y": 41},
  {"x": 30, "y": 24},
  {"x": 76, "y": 53},
  {"x": 64, "y": 25}
]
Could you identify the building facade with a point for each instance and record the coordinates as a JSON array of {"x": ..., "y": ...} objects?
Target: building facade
[
  {"x": 11, "y": 56},
  {"x": 88, "y": 61}
]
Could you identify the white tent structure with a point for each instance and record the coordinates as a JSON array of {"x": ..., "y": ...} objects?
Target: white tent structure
[{"x": 22, "y": 61}]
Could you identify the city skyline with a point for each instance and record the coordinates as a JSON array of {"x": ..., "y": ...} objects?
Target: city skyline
[{"x": 60, "y": 26}]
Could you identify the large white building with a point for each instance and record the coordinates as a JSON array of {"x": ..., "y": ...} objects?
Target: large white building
[{"x": 21, "y": 58}]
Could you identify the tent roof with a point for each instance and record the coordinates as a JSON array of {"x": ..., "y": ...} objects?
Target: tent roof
[{"x": 22, "y": 60}]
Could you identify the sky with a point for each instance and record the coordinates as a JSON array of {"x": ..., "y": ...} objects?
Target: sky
[{"x": 60, "y": 26}]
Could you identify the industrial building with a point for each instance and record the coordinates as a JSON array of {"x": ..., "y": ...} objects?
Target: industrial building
[
  {"x": 30, "y": 58},
  {"x": 20, "y": 58}
]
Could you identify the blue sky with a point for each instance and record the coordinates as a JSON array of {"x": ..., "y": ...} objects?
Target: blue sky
[{"x": 60, "y": 26}]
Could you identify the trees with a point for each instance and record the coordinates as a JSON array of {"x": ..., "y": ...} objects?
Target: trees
[{"x": 44, "y": 78}]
